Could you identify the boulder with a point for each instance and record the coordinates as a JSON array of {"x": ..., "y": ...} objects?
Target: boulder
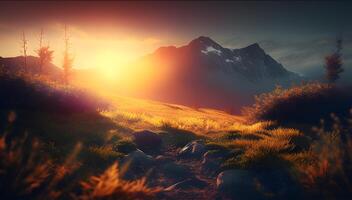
[
  {"x": 237, "y": 184},
  {"x": 280, "y": 184},
  {"x": 194, "y": 149},
  {"x": 147, "y": 141},
  {"x": 247, "y": 184},
  {"x": 161, "y": 160},
  {"x": 212, "y": 161},
  {"x": 137, "y": 163},
  {"x": 187, "y": 184},
  {"x": 176, "y": 171}
]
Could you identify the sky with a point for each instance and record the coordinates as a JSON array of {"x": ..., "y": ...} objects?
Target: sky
[{"x": 297, "y": 34}]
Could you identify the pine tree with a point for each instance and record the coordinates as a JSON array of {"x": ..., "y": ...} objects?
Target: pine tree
[
  {"x": 333, "y": 63},
  {"x": 24, "y": 50},
  {"x": 44, "y": 53},
  {"x": 68, "y": 60}
]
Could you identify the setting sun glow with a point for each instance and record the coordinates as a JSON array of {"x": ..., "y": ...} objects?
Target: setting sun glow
[{"x": 111, "y": 65}]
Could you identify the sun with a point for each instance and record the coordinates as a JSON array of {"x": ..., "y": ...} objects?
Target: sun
[
  {"x": 111, "y": 65},
  {"x": 119, "y": 71}
]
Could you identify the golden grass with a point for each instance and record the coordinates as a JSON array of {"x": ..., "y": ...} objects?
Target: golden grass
[
  {"x": 109, "y": 185},
  {"x": 26, "y": 172},
  {"x": 146, "y": 114},
  {"x": 262, "y": 147}
]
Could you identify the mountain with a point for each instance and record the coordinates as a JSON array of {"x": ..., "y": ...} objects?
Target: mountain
[
  {"x": 252, "y": 62},
  {"x": 16, "y": 64},
  {"x": 205, "y": 74}
]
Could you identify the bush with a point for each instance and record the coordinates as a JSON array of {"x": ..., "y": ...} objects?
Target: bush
[
  {"x": 306, "y": 104},
  {"x": 329, "y": 173},
  {"x": 174, "y": 137},
  {"x": 124, "y": 146}
]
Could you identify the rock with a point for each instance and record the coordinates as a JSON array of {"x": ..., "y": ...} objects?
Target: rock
[
  {"x": 280, "y": 184},
  {"x": 161, "y": 160},
  {"x": 193, "y": 149},
  {"x": 176, "y": 171},
  {"x": 247, "y": 184},
  {"x": 239, "y": 184},
  {"x": 137, "y": 163},
  {"x": 187, "y": 184},
  {"x": 212, "y": 161},
  {"x": 147, "y": 141}
]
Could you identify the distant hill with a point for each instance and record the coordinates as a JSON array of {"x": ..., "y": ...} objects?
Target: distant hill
[
  {"x": 205, "y": 74},
  {"x": 16, "y": 64}
]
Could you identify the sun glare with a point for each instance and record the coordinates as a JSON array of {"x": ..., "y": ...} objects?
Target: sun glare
[
  {"x": 111, "y": 65},
  {"x": 115, "y": 70}
]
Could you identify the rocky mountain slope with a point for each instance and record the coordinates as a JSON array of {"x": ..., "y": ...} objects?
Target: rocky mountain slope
[{"x": 205, "y": 74}]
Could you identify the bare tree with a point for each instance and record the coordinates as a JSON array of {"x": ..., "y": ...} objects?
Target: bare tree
[
  {"x": 333, "y": 63},
  {"x": 44, "y": 53},
  {"x": 38, "y": 51},
  {"x": 24, "y": 50},
  {"x": 68, "y": 60}
]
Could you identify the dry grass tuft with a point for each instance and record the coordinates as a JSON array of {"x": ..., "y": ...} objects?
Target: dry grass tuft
[
  {"x": 109, "y": 185},
  {"x": 27, "y": 172},
  {"x": 329, "y": 171}
]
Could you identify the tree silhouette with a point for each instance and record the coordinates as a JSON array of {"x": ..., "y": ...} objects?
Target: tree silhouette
[
  {"x": 45, "y": 56},
  {"x": 333, "y": 63},
  {"x": 44, "y": 53},
  {"x": 24, "y": 50},
  {"x": 68, "y": 60}
]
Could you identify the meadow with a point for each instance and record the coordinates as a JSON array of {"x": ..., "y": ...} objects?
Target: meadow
[{"x": 61, "y": 142}]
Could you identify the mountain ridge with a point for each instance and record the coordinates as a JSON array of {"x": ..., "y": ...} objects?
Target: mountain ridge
[
  {"x": 209, "y": 47},
  {"x": 206, "y": 74}
]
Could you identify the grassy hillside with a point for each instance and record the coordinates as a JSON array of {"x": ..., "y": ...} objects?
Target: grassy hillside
[
  {"x": 74, "y": 134},
  {"x": 146, "y": 114}
]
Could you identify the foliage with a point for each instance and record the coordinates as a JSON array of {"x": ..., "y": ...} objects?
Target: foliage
[
  {"x": 67, "y": 66},
  {"x": 68, "y": 59},
  {"x": 333, "y": 63},
  {"x": 98, "y": 157},
  {"x": 329, "y": 173},
  {"x": 109, "y": 185},
  {"x": 304, "y": 104},
  {"x": 124, "y": 146},
  {"x": 26, "y": 172},
  {"x": 45, "y": 56}
]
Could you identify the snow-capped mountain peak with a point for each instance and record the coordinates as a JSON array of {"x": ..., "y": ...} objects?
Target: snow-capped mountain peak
[
  {"x": 208, "y": 74},
  {"x": 210, "y": 49}
]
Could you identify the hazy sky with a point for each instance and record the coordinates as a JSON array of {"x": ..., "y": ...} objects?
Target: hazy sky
[{"x": 297, "y": 34}]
